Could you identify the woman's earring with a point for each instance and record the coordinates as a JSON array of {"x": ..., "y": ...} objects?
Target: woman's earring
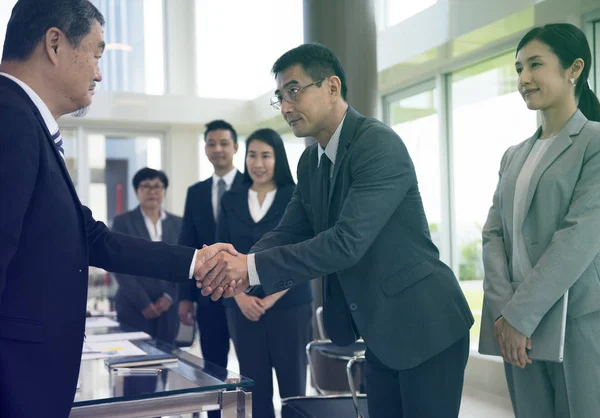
[{"x": 572, "y": 80}]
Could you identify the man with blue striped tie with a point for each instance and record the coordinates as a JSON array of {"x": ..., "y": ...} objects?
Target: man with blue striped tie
[{"x": 48, "y": 239}]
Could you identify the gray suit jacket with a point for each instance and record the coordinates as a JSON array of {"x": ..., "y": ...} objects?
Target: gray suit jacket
[
  {"x": 139, "y": 292},
  {"x": 371, "y": 242},
  {"x": 561, "y": 230}
]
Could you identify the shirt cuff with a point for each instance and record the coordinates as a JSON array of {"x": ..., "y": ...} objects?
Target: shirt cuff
[
  {"x": 191, "y": 276},
  {"x": 252, "y": 273},
  {"x": 168, "y": 296}
]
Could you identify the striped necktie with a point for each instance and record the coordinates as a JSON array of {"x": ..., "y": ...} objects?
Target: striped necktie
[{"x": 57, "y": 138}]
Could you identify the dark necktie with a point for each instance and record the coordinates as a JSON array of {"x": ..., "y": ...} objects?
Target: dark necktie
[
  {"x": 58, "y": 142},
  {"x": 220, "y": 192}
]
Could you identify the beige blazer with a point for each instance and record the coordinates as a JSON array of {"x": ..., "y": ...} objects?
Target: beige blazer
[{"x": 561, "y": 230}]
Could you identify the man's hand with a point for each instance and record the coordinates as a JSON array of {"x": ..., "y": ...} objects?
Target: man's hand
[
  {"x": 163, "y": 303},
  {"x": 512, "y": 343},
  {"x": 151, "y": 311},
  {"x": 250, "y": 306},
  {"x": 224, "y": 275},
  {"x": 186, "y": 312},
  {"x": 208, "y": 252}
]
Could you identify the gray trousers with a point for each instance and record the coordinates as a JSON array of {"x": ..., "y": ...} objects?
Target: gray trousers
[{"x": 570, "y": 389}]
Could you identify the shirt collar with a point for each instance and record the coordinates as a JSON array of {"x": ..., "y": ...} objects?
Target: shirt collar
[
  {"x": 229, "y": 177},
  {"x": 332, "y": 146},
  {"x": 38, "y": 102},
  {"x": 163, "y": 215}
]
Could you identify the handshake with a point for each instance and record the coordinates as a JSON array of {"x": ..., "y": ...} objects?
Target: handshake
[{"x": 220, "y": 271}]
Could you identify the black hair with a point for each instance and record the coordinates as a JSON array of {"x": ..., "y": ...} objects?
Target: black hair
[
  {"x": 147, "y": 173},
  {"x": 219, "y": 124},
  {"x": 31, "y": 19},
  {"x": 282, "y": 175},
  {"x": 568, "y": 42},
  {"x": 316, "y": 60}
]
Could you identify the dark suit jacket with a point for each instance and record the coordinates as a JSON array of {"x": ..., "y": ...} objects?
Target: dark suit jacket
[
  {"x": 199, "y": 226},
  {"x": 135, "y": 293},
  {"x": 237, "y": 227},
  {"x": 48, "y": 239},
  {"x": 372, "y": 243}
]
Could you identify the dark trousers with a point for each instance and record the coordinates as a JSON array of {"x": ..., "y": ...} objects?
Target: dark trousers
[
  {"x": 214, "y": 335},
  {"x": 433, "y": 389},
  {"x": 277, "y": 341}
]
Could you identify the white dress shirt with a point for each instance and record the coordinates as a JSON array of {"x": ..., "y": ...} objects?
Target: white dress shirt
[
  {"x": 155, "y": 232},
  {"x": 52, "y": 126},
  {"x": 256, "y": 210},
  {"x": 228, "y": 178},
  {"x": 521, "y": 264},
  {"x": 331, "y": 152}
]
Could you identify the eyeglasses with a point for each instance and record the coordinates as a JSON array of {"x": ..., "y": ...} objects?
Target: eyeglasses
[
  {"x": 290, "y": 94},
  {"x": 151, "y": 187}
]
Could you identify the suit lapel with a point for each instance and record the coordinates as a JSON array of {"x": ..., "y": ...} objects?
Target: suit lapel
[
  {"x": 139, "y": 225},
  {"x": 559, "y": 145},
  {"x": 346, "y": 137}
]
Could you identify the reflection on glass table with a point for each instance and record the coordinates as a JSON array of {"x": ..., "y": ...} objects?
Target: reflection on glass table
[{"x": 190, "y": 385}]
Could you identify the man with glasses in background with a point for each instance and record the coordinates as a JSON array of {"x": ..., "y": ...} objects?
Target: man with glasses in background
[
  {"x": 143, "y": 303},
  {"x": 357, "y": 220}
]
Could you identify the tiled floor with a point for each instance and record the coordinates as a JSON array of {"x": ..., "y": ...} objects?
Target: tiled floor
[{"x": 475, "y": 403}]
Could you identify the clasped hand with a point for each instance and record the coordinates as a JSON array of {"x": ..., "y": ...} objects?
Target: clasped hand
[
  {"x": 513, "y": 344},
  {"x": 221, "y": 271}
]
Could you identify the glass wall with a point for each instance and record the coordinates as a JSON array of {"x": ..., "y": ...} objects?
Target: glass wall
[
  {"x": 485, "y": 116},
  {"x": 414, "y": 116},
  {"x": 134, "y": 59}
]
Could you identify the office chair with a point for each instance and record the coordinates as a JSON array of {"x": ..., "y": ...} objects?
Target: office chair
[{"x": 330, "y": 406}]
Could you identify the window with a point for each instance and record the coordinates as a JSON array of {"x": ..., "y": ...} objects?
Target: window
[
  {"x": 238, "y": 66},
  {"x": 488, "y": 116},
  {"x": 6, "y": 7},
  {"x": 113, "y": 161},
  {"x": 414, "y": 116},
  {"x": 134, "y": 59}
]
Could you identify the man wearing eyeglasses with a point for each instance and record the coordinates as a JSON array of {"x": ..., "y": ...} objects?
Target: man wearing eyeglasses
[
  {"x": 357, "y": 220},
  {"x": 143, "y": 303}
]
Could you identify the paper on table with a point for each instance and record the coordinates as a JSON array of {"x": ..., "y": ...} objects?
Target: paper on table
[
  {"x": 106, "y": 349},
  {"x": 100, "y": 322},
  {"x": 118, "y": 336}
]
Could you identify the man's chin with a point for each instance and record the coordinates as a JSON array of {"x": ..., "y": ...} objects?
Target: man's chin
[{"x": 81, "y": 112}]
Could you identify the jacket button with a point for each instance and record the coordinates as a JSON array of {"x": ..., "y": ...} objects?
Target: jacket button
[
  {"x": 289, "y": 283},
  {"x": 353, "y": 306},
  {"x": 81, "y": 271}
]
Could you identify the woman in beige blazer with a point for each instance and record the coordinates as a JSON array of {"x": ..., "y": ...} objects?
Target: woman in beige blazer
[{"x": 542, "y": 234}]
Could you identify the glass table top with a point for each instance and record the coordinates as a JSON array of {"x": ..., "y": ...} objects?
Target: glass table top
[{"x": 97, "y": 385}]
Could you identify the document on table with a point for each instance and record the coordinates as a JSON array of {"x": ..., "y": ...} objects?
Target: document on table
[
  {"x": 100, "y": 322},
  {"x": 107, "y": 349},
  {"x": 117, "y": 336}
]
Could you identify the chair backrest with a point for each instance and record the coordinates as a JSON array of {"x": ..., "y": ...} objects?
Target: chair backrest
[
  {"x": 328, "y": 366},
  {"x": 320, "y": 326}
]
